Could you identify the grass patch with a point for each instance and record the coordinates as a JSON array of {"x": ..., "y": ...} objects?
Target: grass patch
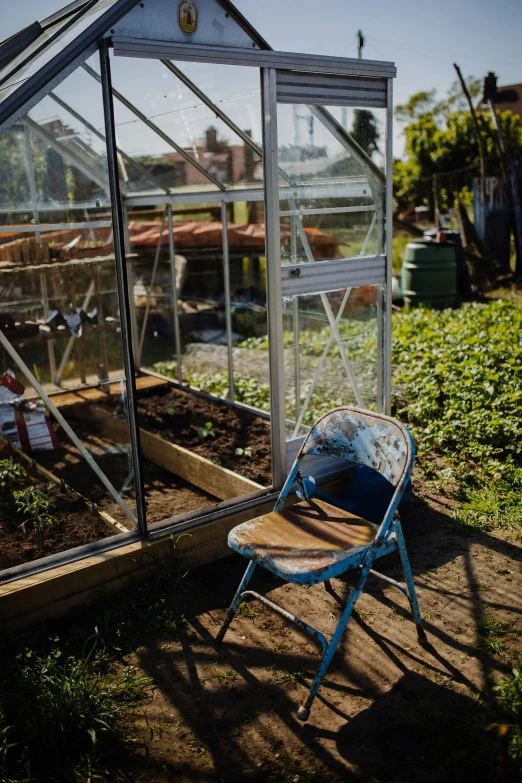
[
  {"x": 69, "y": 698},
  {"x": 509, "y": 696},
  {"x": 490, "y": 633},
  {"x": 65, "y": 718},
  {"x": 290, "y": 678}
]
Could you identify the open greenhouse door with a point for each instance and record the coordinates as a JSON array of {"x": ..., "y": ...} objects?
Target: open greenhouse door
[{"x": 329, "y": 266}]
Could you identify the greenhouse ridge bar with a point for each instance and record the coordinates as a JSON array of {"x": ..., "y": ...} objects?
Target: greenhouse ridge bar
[{"x": 238, "y": 286}]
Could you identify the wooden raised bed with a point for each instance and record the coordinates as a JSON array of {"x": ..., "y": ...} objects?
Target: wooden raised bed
[
  {"x": 193, "y": 468},
  {"x": 76, "y": 522},
  {"x": 199, "y": 471}
]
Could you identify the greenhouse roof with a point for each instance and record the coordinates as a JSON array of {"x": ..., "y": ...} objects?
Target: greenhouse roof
[{"x": 48, "y": 51}]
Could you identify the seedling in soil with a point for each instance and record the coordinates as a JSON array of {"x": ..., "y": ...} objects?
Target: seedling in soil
[
  {"x": 216, "y": 461},
  {"x": 10, "y": 473},
  {"x": 35, "y": 506},
  {"x": 245, "y": 610},
  {"x": 171, "y": 410},
  {"x": 244, "y": 452},
  {"x": 206, "y": 431},
  {"x": 489, "y": 631}
]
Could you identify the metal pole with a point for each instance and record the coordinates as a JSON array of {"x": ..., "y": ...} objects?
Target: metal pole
[
  {"x": 151, "y": 288},
  {"x": 295, "y": 316},
  {"x": 66, "y": 426},
  {"x": 130, "y": 283},
  {"x": 175, "y": 310},
  {"x": 158, "y": 131},
  {"x": 122, "y": 282},
  {"x": 31, "y": 178},
  {"x": 273, "y": 263},
  {"x": 386, "y": 316},
  {"x": 50, "y": 346},
  {"x": 38, "y": 239},
  {"x": 228, "y": 303}
]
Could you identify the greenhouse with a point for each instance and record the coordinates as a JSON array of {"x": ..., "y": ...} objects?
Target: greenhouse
[{"x": 195, "y": 263}]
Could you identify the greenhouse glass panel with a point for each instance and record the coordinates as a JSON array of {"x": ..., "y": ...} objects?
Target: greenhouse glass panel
[
  {"x": 66, "y": 31},
  {"x": 63, "y": 395}
]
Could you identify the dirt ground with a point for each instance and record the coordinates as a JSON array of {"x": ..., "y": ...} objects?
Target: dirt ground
[
  {"x": 166, "y": 494},
  {"x": 74, "y": 524},
  {"x": 389, "y": 711},
  {"x": 177, "y": 415}
]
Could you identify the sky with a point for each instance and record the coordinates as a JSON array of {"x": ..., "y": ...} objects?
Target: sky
[{"x": 424, "y": 39}]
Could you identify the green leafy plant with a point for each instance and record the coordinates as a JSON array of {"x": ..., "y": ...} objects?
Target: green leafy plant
[
  {"x": 66, "y": 716},
  {"x": 458, "y": 386},
  {"x": 206, "y": 431},
  {"x": 247, "y": 452},
  {"x": 10, "y": 473},
  {"x": 245, "y": 611},
  {"x": 35, "y": 506},
  {"x": 171, "y": 409}
]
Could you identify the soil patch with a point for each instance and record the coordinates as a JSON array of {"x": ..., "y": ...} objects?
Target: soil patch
[
  {"x": 389, "y": 710},
  {"x": 177, "y": 415},
  {"x": 165, "y": 494},
  {"x": 75, "y": 524}
]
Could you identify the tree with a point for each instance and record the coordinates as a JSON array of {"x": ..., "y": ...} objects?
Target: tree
[
  {"x": 365, "y": 130},
  {"x": 441, "y": 139},
  {"x": 448, "y": 148},
  {"x": 425, "y": 102}
]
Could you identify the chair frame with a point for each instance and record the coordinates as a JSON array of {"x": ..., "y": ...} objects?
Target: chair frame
[{"x": 389, "y": 536}]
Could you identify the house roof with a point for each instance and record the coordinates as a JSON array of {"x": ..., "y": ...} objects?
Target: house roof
[{"x": 507, "y": 97}]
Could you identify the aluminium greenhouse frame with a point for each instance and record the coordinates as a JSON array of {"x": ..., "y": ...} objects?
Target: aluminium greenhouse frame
[{"x": 372, "y": 87}]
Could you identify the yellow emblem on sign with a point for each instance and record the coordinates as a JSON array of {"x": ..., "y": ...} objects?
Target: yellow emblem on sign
[{"x": 188, "y": 16}]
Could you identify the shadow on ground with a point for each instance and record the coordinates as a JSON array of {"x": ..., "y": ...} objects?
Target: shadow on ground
[{"x": 390, "y": 711}]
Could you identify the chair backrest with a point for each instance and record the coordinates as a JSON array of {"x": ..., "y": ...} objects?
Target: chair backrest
[{"x": 365, "y": 438}]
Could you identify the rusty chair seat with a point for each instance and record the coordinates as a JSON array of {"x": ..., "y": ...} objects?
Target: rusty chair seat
[{"x": 307, "y": 543}]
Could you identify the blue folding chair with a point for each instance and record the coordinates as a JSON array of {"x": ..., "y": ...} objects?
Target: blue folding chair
[{"x": 313, "y": 541}]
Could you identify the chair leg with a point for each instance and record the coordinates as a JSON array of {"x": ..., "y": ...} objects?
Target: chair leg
[
  {"x": 303, "y": 712},
  {"x": 236, "y": 601},
  {"x": 410, "y": 585}
]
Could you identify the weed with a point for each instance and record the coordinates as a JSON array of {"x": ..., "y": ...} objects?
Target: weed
[
  {"x": 489, "y": 631},
  {"x": 206, "y": 431},
  {"x": 290, "y": 678},
  {"x": 245, "y": 610},
  {"x": 171, "y": 409},
  {"x": 509, "y": 695},
  {"x": 225, "y": 676},
  {"x": 495, "y": 506},
  {"x": 35, "y": 506},
  {"x": 67, "y": 716}
]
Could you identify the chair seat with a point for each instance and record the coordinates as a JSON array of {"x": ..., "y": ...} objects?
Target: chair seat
[{"x": 307, "y": 543}]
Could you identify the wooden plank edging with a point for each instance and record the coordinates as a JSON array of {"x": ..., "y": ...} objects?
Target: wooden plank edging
[{"x": 199, "y": 471}]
